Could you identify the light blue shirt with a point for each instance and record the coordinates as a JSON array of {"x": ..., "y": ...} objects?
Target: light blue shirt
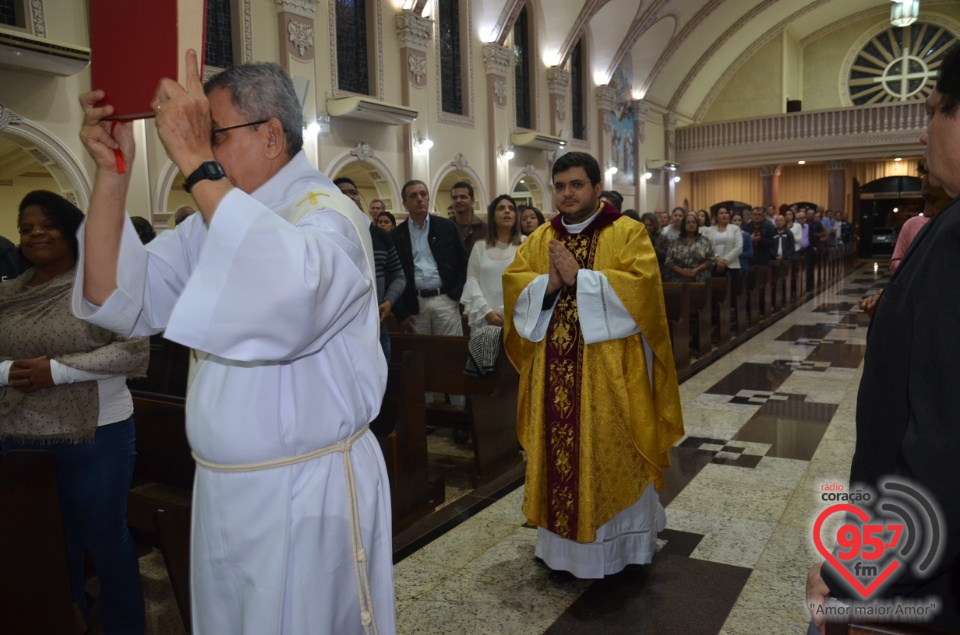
[{"x": 425, "y": 272}]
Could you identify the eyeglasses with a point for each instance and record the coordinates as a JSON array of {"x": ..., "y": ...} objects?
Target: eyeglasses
[{"x": 218, "y": 131}]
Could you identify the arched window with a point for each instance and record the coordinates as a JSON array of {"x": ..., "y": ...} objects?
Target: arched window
[
  {"x": 353, "y": 58},
  {"x": 451, "y": 58},
  {"x": 578, "y": 90},
  {"x": 219, "y": 36},
  {"x": 523, "y": 74}
]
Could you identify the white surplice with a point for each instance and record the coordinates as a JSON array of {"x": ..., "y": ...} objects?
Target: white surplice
[
  {"x": 282, "y": 312},
  {"x": 630, "y": 537}
]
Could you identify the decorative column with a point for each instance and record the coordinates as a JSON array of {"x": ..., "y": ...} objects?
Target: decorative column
[
  {"x": 771, "y": 185},
  {"x": 497, "y": 63},
  {"x": 295, "y": 20},
  {"x": 640, "y": 110},
  {"x": 837, "y": 185},
  {"x": 558, "y": 81},
  {"x": 606, "y": 97},
  {"x": 414, "y": 33},
  {"x": 670, "y": 145}
]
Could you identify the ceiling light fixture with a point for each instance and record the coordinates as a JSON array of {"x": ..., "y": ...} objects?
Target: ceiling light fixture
[{"x": 904, "y": 12}]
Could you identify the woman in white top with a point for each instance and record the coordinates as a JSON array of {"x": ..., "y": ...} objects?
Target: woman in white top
[
  {"x": 482, "y": 297},
  {"x": 727, "y": 245},
  {"x": 796, "y": 229}
]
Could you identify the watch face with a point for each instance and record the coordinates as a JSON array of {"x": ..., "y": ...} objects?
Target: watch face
[{"x": 213, "y": 170}]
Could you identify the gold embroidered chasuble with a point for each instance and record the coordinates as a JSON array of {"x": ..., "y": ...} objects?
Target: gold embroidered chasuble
[{"x": 581, "y": 473}]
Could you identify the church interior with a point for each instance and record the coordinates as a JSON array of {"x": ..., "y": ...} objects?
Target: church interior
[{"x": 689, "y": 103}]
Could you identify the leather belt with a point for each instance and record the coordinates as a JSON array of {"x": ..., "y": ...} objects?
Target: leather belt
[{"x": 428, "y": 293}]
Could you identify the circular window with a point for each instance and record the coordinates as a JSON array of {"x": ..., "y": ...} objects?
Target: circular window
[{"x": 898, "y": 64}]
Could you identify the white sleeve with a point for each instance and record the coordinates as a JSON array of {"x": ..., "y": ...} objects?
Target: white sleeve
[
  {"x": 149, "y": 279},
  {"x": 529, "y": 317},
  {"x": 5, "y": 372},
  {"x": 734, "y": 253},
  {"x": 63, "y": 374},
  {"x": 602, "y": 314},
  {"x": 474, "y": 303},
  {"x": 266, "y": 290}
]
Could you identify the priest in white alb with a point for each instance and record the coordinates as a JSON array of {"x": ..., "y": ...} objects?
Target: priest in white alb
[{"x": 272, "y": 284}]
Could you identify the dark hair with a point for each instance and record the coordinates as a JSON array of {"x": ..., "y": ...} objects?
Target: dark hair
[
  {"x": 410, "y": 183},
  {"x": 264, "y": 91},
  {"x": 683, "y": 225},
  {"x": 631, "y": 213},
  {"x": 144, "y": 229},
  {"x": 614, "y": 197},
  {"x": 706, "y": 217},
  {"x": 345, "y": 179},
  {"x": 948, "y": 81},
  {"x": 393, "y": 220},
  {"x": 64, "y": 215},
  {"x": 540, "y": 219},
  {"x": 492, "y": 225},
  {"x": 650, "y": 216},
  {"x": 578, "y": 160},
  {"x": 463, "y": 185},
  {"x": 678, "y": 208}
]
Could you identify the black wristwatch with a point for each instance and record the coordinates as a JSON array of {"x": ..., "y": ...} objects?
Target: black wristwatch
[{"x": 208, "y": 170}]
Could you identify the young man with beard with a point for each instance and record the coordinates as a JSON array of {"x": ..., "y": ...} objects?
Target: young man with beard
[{"x": 583, "y": 303}]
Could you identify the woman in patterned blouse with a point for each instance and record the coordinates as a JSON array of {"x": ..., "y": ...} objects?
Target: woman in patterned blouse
[{"x": 691, "y": 255}]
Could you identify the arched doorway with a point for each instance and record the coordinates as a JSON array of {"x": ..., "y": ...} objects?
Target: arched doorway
[
  {"x": 529, "y": 191},
  {"x": 884, "y": 206},
  {"x": 442, "y": 199}
]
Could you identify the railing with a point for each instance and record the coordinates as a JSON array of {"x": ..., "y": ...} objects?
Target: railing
[{"x": 901, "y": 117}]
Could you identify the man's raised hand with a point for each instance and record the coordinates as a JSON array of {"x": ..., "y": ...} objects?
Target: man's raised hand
[
  {"x": 101, "y": 137},
  {"x": 183, "y": 118}
]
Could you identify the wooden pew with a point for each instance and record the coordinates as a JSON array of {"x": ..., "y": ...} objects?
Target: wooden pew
[
  {"x": 34, "y": 574},
  {"x": 167, "y": 372},
  {"x": 720, "y": 298},
  {"x": 778, "y": 296},
  {"x": 799, "y": 282},
  {"x": 700, "y": 304},
  {"x": 754, "y": 298},
  {"x": 677, "y": 301},
  {"x": 401, "y": 430},
  {"x": 739, "y": 298},
  {"x": 163, "y": 475},
  {"x": 491, "y": 402}
]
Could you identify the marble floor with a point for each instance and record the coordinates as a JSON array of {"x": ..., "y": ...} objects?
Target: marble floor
[{"x": 766, "y": 426}]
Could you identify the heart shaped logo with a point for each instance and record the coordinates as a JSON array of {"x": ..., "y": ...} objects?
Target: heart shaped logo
[{"x": 878, "y": 548}]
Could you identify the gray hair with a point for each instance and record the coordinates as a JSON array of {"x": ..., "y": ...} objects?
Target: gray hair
[{"x": 264, "y": 91}]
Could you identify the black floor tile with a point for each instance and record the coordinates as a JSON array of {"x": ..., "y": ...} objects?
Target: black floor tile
[
  {"x": 679, "y": 543},
  {"x": 858, "y": 319},
  {"x": 673, "y": 595},
  {"x": 792, "y": 428},
  {"x": 751, "y": 376},
  {"x": 833, "y": 307},
  {"x": 806, "y": 332},
  {"x": 838, "y": 354},
  {"x": 685, "y": 463}
]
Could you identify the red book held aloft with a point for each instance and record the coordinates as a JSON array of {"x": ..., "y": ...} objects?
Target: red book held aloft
[{"x": 134, "y": 44}]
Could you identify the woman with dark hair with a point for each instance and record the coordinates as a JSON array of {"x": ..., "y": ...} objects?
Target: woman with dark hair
[
  {"x": 727, "y": 241},
  {"x": 661, "y": 244},
  {"x": 703, "y": 218},
  {"x": 482, "y": 297},
  {"x": 386, "y": 221},
  {"x": 690, "y": 258},
  {"x": 63, "y": 390},
  {"x": 530, "y": 219}
]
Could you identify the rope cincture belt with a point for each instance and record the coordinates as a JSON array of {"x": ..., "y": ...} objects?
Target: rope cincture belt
[{"x": 359, "y": 553}]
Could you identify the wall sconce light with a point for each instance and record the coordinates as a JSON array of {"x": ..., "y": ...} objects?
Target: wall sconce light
[
  {"x": 320, "y": 125},
  {"x": 421, "y": 144},
  {"x": 505, "y": 154},
  {"x": 648, "y": 175},
  {"x": 612, "y": 170},
  {"x": 676, "y": 179},
  {"x": 904, "y": 12}
]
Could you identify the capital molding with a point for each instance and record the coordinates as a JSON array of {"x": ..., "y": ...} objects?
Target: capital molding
[
  {"x": 837, "y": 165},
  {"x": 415, "y": 31},
  {"x": 497, "y": 60},
  {"x": 303, "y": 8},
  {"x": 770, "y": 170},
  {"x": 606, "y": 97},
  {"x": 558, "y": 81},
  {"x": 8, "y": 117},
  {"x": 670, "y": 121}
]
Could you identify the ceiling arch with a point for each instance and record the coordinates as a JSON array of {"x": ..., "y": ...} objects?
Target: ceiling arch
[
  {"x": 608, "y": 29},
  {"x": 644, "y": 54}
]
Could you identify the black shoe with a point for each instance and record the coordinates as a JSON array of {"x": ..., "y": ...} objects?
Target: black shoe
[
  {"x": 461, "y": 436},
  {"x": 561, "y": 577}
]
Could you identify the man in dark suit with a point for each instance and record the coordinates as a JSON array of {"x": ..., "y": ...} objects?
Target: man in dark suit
[
  {"x": 435, "y": 261},
  {"x": 761, "y": 233},
  {"x": 908, "y": 404},
  {"x": 11, "y": 265}
]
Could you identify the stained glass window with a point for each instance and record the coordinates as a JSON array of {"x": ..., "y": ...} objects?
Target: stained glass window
[
  {"x": 353, "y": 71},
  {"x": 521, "y": 74},
  {"x": 451, "y": 71},
  {"x": 219, "y": 37},
  {"x": 10, "y": 12},
  {"x": 898, "y": 64},
  {"x": 577, "y": 87}
]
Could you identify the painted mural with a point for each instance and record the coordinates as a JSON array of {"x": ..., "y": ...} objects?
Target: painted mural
[{"x": 623, "y": 142}]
